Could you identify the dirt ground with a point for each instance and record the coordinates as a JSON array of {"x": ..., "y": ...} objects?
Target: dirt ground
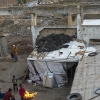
[{"x": 8, "y": 68}]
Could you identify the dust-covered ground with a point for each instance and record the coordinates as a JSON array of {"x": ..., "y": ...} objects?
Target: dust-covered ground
[{"x": 8, "y": 68}]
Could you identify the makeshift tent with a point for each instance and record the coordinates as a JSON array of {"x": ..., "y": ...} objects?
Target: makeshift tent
[{"x": 56, "y": 62}]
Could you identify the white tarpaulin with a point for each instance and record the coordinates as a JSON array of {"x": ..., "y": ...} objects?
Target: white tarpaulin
[
  {"x": 67, "y": 54},
  {"x": 39, "y": 68}
]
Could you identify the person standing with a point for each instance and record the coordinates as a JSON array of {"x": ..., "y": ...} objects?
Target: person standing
[
  {"x": 21, "y": 92},
  {"x": 14, "y": 81},
  {"x": 1, "y": 94},
  {"x": 8, "y": 95},
  {"x": 14, "y": 53}
]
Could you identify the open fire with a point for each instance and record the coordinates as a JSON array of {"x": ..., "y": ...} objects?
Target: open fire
[{"x": 28, "y": 95}]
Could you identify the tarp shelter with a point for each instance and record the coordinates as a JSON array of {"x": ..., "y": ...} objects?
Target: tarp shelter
[{"x": 56, "y": 62}]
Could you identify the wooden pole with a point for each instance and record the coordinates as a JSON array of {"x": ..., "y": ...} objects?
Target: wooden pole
[
  {"x": 35, "y": 19},
  {"x": 22, "y": 2}
]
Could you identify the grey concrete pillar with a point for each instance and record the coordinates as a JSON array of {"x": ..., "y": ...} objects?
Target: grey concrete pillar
[
  {"x": 33, "y": 30},
  {"x": 79, "y": 24},
  {"x": 78, "y": 27}
]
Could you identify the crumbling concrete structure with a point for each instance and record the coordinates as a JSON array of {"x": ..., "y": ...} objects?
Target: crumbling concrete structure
[{"x": 75, "y": 12}]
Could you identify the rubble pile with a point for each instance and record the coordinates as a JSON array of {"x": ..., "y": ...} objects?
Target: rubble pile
[
  {"x": 52, "y": 42},
  {"x": 51, "y": 20},
  {"x": 24, "y": 48},
  {"x": 47, "y": 1},
  {"x": 14, "y": 26},
  {"x": 5, "y": 22},
  {"x": 22, "y": 45}
]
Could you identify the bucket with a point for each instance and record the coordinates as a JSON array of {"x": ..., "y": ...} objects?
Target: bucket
[
  {"x": 29, "y": 81},
  {"x": 48, "y": 80}
]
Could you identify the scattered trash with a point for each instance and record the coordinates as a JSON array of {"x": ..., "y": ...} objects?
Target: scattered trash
[{"x": 92, "y": 54}]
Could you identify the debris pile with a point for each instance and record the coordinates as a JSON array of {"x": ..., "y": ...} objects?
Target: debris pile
[
  {"x": 51, "y": 21},
  {"x": 52, "y": 42},
  {"x": 47, "y": 1},
  {"x": 15, "y": 26},
  {"x": 23, "y": 46}
]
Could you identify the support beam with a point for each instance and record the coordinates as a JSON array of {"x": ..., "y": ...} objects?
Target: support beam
[
  {"x": 72, "y": 20},
  {"x": 35, "y": 19},
  {"x": 69, "y": 20},
  {"x": 78, "y": 24},
  {"x": 33, "y": 30}
]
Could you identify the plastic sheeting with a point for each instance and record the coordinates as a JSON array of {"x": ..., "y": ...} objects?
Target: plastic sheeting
[
  {"x": 38, "y": 68},
  {"x": 57, "y": 64},
  {"x": 68, "y": 54}
]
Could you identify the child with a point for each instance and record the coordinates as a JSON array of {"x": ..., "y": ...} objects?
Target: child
[
  {"x": 1, "y": 94},
  {"x": 14, "y": 81},
  {"x": 21, "y": 92}
]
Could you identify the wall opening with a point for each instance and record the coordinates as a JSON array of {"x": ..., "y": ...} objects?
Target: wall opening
[
  {"x": 71, "y": 73},
  {"x": 73, "y": 17},
  {"x": 94, "y": 41},
  {"x": 92, "y": 16},
  {"x": 72, "y": 20}
]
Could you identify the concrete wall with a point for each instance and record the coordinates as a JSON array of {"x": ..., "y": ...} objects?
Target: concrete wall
[
  {"x": 3, "y": 47},
  {"x": 90, "y": 32},
  {"x": 68, "y": 31}
]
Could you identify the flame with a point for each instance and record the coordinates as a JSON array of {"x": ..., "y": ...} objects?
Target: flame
[{"x": 28, "y": 95}]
